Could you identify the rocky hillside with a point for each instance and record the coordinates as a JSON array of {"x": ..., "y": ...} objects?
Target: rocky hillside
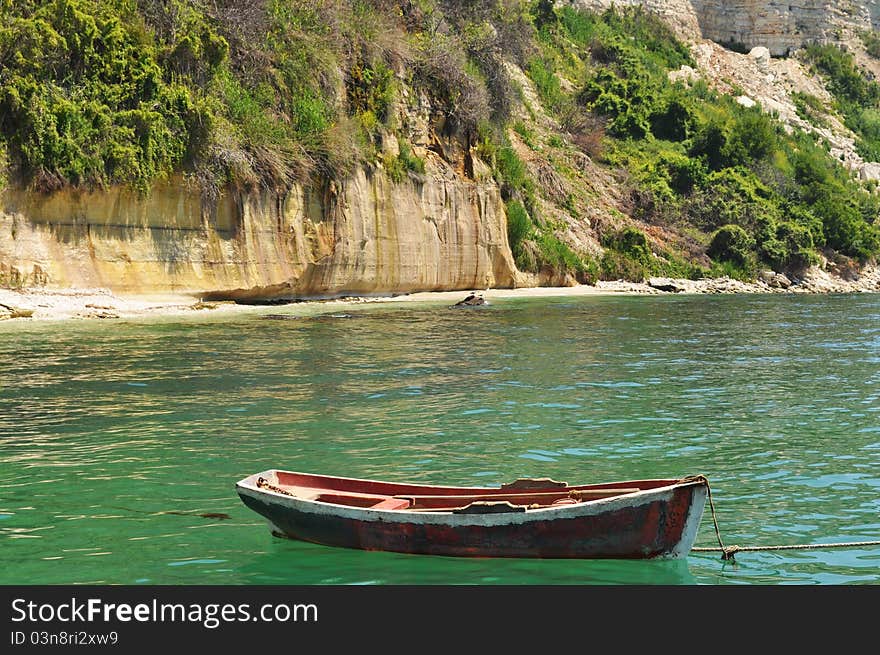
[{"x": 293, "y": 148}]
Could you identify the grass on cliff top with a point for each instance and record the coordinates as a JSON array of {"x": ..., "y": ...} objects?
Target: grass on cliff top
[{"x": 102, "y": 92}]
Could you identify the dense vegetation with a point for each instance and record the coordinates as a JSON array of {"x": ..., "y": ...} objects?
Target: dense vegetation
[
  {"x": 100, "y": 92},
  {"x": 857, "y": 98},
  {"x": 229, "y": 92},
  {"x": 700, "y": 160}
]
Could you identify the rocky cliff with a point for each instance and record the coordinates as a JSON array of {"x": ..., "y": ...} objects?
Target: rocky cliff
[{"x": 365, "y": 234}]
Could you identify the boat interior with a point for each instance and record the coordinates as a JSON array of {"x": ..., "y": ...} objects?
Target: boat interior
[{"x": 522, "y": 495}]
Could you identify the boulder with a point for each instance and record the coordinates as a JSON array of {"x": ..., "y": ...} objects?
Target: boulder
[
  {"x": 870, "y": 170},
  {"x": 775, "y": 280},
  {"x": 685, "y": 74},
  {"x": 666, "y": 284},
  {"x": 472, "y": 300},
  {"x": 728, "y": 285},
  {"x": 761, "y": 56}
]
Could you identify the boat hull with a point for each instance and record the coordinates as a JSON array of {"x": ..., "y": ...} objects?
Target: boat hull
[{"x": 648, "y": 524}]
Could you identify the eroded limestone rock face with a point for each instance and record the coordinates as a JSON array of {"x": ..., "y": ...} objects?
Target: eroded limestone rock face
[
  {"x": 366, "y": 234},
  {"x": 778, "y": 26},
  {"x": 781, "y": 26}
]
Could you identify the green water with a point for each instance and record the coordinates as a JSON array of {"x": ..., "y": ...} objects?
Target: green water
[{"x": 105, "y": 427}]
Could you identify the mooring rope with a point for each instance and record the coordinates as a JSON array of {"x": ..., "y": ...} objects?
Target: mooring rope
[
  {"x": 263, "y": 483},
  {"x": 727, "y": 552}
]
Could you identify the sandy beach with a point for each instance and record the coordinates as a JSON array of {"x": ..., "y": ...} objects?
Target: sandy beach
[{"x": 31, "y": 304}]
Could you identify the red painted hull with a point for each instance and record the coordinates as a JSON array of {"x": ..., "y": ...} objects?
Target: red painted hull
[{"x": 658, "y": 520}]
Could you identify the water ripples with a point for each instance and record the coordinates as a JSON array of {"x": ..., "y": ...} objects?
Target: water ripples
[{"x": 113, "y": 444}]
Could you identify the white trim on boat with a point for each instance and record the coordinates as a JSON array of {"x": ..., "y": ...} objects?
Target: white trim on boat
[{"x": 579, "y": 510}]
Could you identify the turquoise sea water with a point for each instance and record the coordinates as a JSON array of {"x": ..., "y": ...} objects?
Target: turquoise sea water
[{"x": 116, "y": 436}]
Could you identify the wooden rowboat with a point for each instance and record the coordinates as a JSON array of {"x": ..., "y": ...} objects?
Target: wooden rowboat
[{"x": 635, "y": 519}]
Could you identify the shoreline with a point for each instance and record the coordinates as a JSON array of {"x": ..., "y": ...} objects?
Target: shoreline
[{"x": 41, "y": 304}]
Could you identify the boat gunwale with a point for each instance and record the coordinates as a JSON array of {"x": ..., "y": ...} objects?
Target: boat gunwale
[
  {"x": 270, "y": 472},
  {"x": 562, "y": 512}
]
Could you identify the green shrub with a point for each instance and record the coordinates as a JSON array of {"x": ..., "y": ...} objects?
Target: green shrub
[
  {"x": 753, "y": 137},
  {"x": 644, "y": 33},
  {"x": 798, "y": 245},
  {"x": 674, "y": 119},
  {"x": 370, "y": 88},
  {"x": 866, "y": 123},
  {"x": 534, "y": 248},
  {"x": 519, "y": 229},
  {"x": 732, "y": 243},
  {"x": 83, "y": 100},
  {"x": 618, "y": 266},
  {"x": 709, "y": 142},
  {"x": 101, "y": 92},
  {"x": 626, "y": 100},
  {"x": 411, "y": 161},
  {"x": 871, "y": 41},
  {"x": 526, "y": 134},
  {"x": 669, "y": 174},
  {"x": 730, "y": 136},
  {"x": 513, "y": 177},
  {"x": 725, "y": 268},
  {"x": 558, "y": 256},
  {"x": 848, "y": 211},
  {"x": 543, "y": 75},
  {"x": 405, "y": 162},
  {"x": 809, "y": 108},
  {"x": 845, "y": 81},
  {"x": 633, "y": 51},
  {"x": 630, "y": 242},
  {"x": 732, "y": 196},
  {"x": 4, "y": 164},
  {"x": 781, "y": 256}
]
